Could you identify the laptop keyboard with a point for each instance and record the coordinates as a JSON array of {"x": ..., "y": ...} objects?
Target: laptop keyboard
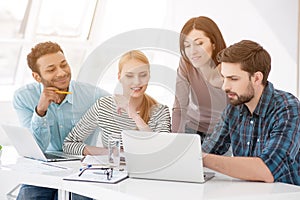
[{"x": 51, "y": 156}]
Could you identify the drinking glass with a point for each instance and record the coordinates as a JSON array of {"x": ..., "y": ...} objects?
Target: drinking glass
[{"x": 114, "y": 153}]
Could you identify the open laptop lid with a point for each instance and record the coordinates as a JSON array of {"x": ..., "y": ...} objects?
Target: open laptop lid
[
  {"x": 163, "y": 156},
  {"x": 26, "y": 146}
]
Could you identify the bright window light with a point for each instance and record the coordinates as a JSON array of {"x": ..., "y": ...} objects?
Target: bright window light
[
  {"x": 59, "y": 18},
  {"x": 11, "y": 17}
]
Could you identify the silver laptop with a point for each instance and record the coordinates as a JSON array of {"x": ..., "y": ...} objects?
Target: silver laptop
[
  {"x": 25, "y": 144},
  {"x": 164, "y": 156}
]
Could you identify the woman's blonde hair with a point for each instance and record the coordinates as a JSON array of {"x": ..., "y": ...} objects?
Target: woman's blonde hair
[{"x": 148, "y": 101}]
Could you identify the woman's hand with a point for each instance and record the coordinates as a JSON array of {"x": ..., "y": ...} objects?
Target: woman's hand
[
  {"x": 93, "y": 150},
  {"x": 124, "y": 104}
]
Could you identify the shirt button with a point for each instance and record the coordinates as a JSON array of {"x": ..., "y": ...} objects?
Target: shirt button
[
  {"x": 251, "y": 122},
  {"x": 248, "y": 143},
  {"x": 257, "y": 140}
]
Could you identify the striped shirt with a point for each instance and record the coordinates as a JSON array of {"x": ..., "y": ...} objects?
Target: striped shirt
[
  {"x": 271, "y": 133},
  {"x": 103, "y": 114}
]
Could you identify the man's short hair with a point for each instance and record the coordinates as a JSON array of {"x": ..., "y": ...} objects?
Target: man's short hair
[
  {"x": 40, "y": 50},
  {"x": 251, "y": 55}
]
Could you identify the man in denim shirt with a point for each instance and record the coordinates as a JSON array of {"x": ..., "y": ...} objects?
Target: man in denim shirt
[
  {"x": 261, "y": 124},
  {"x": 52, "y": 106}
]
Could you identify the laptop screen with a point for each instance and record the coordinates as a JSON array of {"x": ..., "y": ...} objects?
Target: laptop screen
[
  {"x": 25, "y": 144},
  {"x": 163, "y": 156}
]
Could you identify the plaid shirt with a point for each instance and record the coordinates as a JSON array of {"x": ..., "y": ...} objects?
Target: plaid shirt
[{"x": 271, "y": 133}]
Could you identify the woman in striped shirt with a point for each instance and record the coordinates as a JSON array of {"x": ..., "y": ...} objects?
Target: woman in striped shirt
[{"x": 134, "y": 109}]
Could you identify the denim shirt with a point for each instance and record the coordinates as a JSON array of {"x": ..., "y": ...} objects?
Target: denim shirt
[{"x": 51, "y": 129}]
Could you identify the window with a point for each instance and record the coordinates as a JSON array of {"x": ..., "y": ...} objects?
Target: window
[
  {"x": 31, "y": 22},
  {"x": 66, "y": 21}
]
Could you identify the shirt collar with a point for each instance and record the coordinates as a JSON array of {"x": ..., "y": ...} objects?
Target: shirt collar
[
  {"x": 264, "y": 101},
  {"x": 69, "y": 97}
]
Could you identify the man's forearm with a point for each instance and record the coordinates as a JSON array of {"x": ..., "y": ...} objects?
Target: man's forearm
[{"x": 246, "y": 168}]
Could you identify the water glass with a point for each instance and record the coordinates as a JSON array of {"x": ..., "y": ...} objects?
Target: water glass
[{"x": 114, "y": 153}]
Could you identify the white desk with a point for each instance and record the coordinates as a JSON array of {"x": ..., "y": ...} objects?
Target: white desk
[
  {"x": 18, "y": 170},
  {"x": 220, "y": 187}
]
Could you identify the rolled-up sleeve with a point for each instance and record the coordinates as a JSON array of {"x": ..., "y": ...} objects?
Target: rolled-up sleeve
[{"x": 281, "y": 151}]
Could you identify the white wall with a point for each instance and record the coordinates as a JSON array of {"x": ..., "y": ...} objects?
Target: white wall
[{"x": 272, "y": 23}]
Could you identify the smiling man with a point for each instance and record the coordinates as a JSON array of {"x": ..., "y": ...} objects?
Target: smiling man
[
  {"x": 52, "y": 105},
  {"x": 262, "y": 123}
]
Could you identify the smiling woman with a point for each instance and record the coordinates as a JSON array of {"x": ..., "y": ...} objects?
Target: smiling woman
[
  {"x": 132, "y": 109},
  {"x": 199, "y": 99},
  {"x": 134, "y": 73}
]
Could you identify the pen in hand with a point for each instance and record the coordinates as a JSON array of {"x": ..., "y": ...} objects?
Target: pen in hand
[{"x": 62, "y": 92}]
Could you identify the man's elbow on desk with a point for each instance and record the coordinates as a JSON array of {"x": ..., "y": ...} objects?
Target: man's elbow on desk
[{"x": 245, "y": 168}]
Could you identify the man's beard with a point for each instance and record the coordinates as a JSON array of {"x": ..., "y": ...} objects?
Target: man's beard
[
  {"x": 47, "y": 83},
  {"x": 242, "y": 99}
]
